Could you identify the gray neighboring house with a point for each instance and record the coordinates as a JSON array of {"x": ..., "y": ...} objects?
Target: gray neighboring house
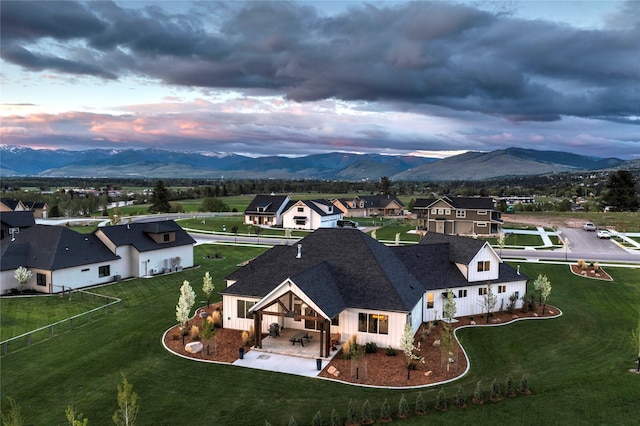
[
  {"x": 58, "y": 256},
  {"x": 342, "y": 281},
  {"x": 458, "y": 215}
]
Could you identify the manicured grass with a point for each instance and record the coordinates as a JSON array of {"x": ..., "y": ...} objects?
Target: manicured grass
[
  {"x": 621, "y": 221},
  {"x": 20, "y": 315},
  {"x": 576, "y": 364}
]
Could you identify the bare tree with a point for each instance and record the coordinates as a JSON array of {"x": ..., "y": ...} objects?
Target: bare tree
[{"x": 489, "y": 301}]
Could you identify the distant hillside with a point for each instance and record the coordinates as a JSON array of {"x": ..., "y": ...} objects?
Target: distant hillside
[
  {"x": 158, "y": 163},
  {"x": 502, "y": 163}
]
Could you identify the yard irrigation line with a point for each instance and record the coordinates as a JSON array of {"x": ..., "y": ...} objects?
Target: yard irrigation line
[{"x": 115, "y": 301}]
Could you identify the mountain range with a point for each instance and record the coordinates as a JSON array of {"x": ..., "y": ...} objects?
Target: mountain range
[{"x": 159, "y": 163}]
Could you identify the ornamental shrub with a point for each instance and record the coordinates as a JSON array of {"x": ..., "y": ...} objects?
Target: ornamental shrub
[
  {"x": 509, "y": 389},
  {"x": 441, "y": 401},
  {"x": 371, "y": 348},
  {"x": 317, "y": 420},
  {"x": 495, "y": 390},
  {"x": 335, "y": 418},
  {"x": 391, "y": 352},
  {"x": 478, "y": 395},
  {"x": 366, "y": 414},
  {"x": 403, "y": 407},
  {"x": 421, "y": 406},
  {"x": 461, "y": 399},
  {"x": 385, "y": 410},
  {"x": 352, "y": 417}
]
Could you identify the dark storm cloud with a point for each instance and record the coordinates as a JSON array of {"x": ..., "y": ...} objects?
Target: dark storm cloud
[{"x": 422, "y": 53}]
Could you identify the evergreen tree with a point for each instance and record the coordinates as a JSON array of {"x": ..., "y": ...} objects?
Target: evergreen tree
[
  {"x": 621, "y": 192},
  {"x": 367, "y": 414},
  {"x": 160, "y": 199},
  {"x": 335, "y": 418}
]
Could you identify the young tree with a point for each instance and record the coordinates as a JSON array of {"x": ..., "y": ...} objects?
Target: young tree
[
  {"x": 207, "y": 286},
  {"x": 635, "y": 340},
  {"x": 13, "y": 417},
  {"x": 543, "y": 285},
  {"x": 75, "y": 418},
  {"x": 185, "y": 303},
  {"x": 22, "y": 275},
  {"x": 489, "y": 301},
  {"x": 235, "y": 229},
  {"x": 127, "y": 410},
  {"x": 621, "y": 192},
  {"x": 501, "y": 241},
  {"x": 407, "y": 346},
  {"x": 160, "y": 199}
]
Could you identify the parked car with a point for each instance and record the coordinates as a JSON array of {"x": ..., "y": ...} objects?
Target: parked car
[
  {"x": 588, "y": 226},
  {"x": 343, "y": 223},
  {"x": 603, "y": 233}
]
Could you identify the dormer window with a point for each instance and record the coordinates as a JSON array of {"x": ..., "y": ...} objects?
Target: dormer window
[
  {"x": 300, "y": 209},
  {"x": 484, "y": 265}
]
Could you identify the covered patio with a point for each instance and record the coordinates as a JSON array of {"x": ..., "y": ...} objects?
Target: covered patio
[{"x": 282, "y": 344}]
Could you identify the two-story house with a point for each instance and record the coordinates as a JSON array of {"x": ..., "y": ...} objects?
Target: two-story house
[
  {"x": 459, "y": 215},
  {"x": 343, "y": 281},
  {"x": 370, "y": 206}
]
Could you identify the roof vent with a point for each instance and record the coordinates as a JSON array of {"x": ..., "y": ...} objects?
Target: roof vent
[
  {"x": 128, "y": 227},
  {"x": 299, "y": 255}
]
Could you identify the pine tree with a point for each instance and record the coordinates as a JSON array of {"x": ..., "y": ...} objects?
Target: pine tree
[
  {"x": 385, "y": 410},
  {"x": 621, "y": 192},
  {"x": 403, "y": 407},
  {"x": 317, "y": 419},
  {"x": 160, "y": 199},
  {"x": 421, "y": 406},
  {"x": 441, "y": 401},
  {"x": 366, "y": 415},
  {"x": 335, "y": 418}
]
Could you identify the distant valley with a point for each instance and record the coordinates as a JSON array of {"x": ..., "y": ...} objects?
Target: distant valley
[{"x": 158, "y": 163}]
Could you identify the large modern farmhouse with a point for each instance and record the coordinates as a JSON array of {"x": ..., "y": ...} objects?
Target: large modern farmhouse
[
  {"x": 343, "y": 281},
  {"x": 59, "y": 257}
]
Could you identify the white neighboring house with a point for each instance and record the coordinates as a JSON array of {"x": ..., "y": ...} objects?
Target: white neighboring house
[
  {"x": 58, "y": 256},
  {"x": 310, "y": 214},
  {"x": 266, "y": 210},
  {"x": 343, "y": 281}
]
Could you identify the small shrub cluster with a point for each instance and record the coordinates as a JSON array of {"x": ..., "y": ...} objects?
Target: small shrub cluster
[
  {"x": 391, "y": 352},
  {"x": 216, "y": 317},
  {"x": 371, "y": 348},
  {"x": 351, "y": 349},
  {"x": 194, "y": 333}
]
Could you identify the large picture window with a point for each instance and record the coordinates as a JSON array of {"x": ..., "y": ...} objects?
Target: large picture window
[
  {"x": 104, "y": 271},
  {"x": 373, "y": 323},
  {"x": 243, "y": 308}
]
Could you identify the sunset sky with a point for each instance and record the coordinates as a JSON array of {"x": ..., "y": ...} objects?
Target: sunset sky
[{"x": 303, "y": 77}]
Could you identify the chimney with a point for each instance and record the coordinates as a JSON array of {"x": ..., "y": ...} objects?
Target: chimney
[{"x": 299, "y": 255}]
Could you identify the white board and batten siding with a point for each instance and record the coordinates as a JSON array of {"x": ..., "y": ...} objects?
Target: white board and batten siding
[
  {"x": 349, "y": 327},
  {"x": 486, "y": 254}
]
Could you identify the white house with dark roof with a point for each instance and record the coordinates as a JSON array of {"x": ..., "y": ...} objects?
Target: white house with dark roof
[
  {"x": 310, "y": 214},
  {"x": 459, "y": 215},
  {"x": 343, "y": 281},
  {"x": 266, "y": 210},
  {"x": 58, "y": 256}
]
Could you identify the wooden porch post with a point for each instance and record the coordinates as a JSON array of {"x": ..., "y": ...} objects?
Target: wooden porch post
[
  {"x": 257, "y": 327},
  {"x": 321, "y": 338},
  {"x": 327, "y": 338}
]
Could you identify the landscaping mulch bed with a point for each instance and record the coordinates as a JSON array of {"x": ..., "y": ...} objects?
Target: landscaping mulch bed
[
  {"x": 375, "y": 369},
  {"x": 590, "y": 272}
]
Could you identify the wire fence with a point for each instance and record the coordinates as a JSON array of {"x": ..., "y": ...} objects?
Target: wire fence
[{"x": 51, "y": 330}]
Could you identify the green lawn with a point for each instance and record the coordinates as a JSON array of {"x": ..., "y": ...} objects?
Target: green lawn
[{"x": 577, "y": 364}]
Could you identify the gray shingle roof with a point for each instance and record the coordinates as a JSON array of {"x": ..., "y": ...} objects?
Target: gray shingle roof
[
  {"x": 137, "y": 235},
  {"x": 17, "y": 219},
  {"x": 345, "y": 268},
  {"x": 475, "y": 203},
  {"x": 361, "y": 270},
  {"x": 53, "y": 248},
  {"x": 269, "y": 204}
]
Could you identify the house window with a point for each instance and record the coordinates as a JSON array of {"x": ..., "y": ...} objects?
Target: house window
[
  {"x": 41, "y": 279},
  {"x": 447, "y": 212},
  {"x": 166, "y": 237},
  {"x": 373, "y": 323},
  {"x": 297, "y": 310},
  {"x": 301, "y": 221},
  {"x": 335, "y": 320},
  {"x": 300, "y": 209},
  {"x": 461, "y": 214},
  {"x": 434, "y": 211},
  {"x": 462, "y": 293},
  {"x": 502, "y": 289},
  {"x": 482, "y": 291},
  {"x": 104, "y": 271},
  {"x": 482, "y": 212},
  {"x": 440, "y": 211},
  {"x": 484, "y": 265},
  {"x": 429, "y": 300},
  {"x": 481, "y": 225},
  {"x": 243, "y": 308}
]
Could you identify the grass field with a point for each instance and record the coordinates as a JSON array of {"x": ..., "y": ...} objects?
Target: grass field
[{"x": 576, "y": 364}]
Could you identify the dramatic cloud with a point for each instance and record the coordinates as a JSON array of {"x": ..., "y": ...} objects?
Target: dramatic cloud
[{"x": 433, "y": 59}]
